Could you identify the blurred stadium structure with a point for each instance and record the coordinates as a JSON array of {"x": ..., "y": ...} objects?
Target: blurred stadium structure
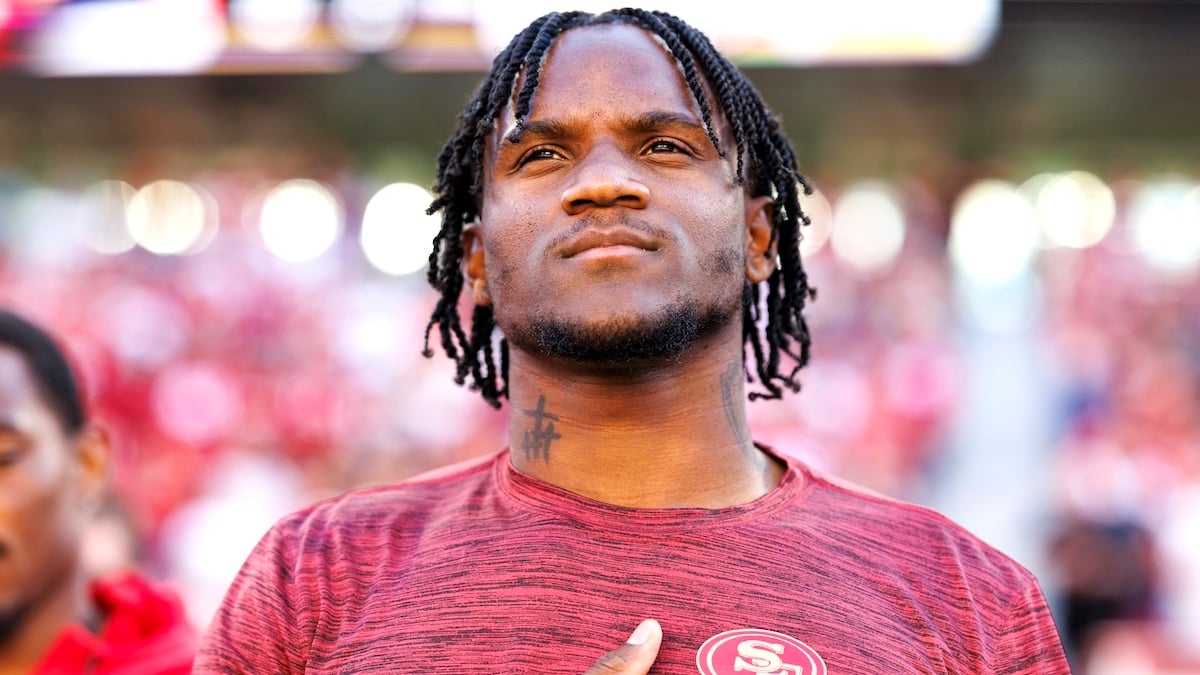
[{"x": 219, "y": 205}]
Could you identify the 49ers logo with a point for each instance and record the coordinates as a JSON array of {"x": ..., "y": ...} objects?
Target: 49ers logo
[{"x": 748, "y": 650}]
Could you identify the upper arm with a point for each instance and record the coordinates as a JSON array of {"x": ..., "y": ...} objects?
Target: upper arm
[
  {"x": 1029, "y": 642},
  {"x": 259, "y": 627}
]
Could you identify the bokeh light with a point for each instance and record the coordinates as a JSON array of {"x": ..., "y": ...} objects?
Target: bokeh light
[
  {"x": 397, "y": 234},
  {"x": 300, "y": 219},
  {"x": 1075, "y": 209},
  {"x": 195, "y": 402},
  {"x": 370, "y": 25},
  {"x": 103, "y": 216},
  {"x": 993, "y": 233},
  {"x": 866, "y": 31},
  {"x": 143, "y": 37},
  {"x": 851, "y": 31},
  {"x": 868, "y": 228},
  {"x": 274, "y": 25},
  {"x": 820, "y": 215},
  {"x": 144, "y": 327},
  {"x": 169, "y": 217},
  {"x": 1164, "y": 218}
]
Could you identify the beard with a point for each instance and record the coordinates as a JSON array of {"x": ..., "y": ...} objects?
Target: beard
[
  {"x": 622, "y": 339},
  {"x": 12, "y": 619}
]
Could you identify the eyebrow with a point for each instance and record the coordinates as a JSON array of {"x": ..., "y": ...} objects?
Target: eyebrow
[
  {"x": 658, "y": 120},
  {"x": 648, "y": 122}
]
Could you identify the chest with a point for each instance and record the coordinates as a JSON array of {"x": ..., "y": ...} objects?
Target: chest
[{"x": 553, "y": 600}]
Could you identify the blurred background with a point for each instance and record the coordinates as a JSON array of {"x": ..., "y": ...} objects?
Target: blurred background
[{"x": 218, "y": 205}]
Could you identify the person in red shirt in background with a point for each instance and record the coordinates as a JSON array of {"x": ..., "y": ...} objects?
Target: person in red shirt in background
[{"x": 54, "y": 468}]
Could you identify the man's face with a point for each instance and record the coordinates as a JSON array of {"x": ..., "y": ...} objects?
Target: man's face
[
  {"x": 41, "y": 512},
  {"x": 612, "y": 228}
]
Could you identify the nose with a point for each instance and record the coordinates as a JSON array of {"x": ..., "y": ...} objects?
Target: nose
[{"x": 604, "y": 178}]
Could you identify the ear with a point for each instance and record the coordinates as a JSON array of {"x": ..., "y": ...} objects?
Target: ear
[
  {"x": 474, "y": 265},
  {"x": 760, "y": 244},
  {"x": 93, "y": 457}
]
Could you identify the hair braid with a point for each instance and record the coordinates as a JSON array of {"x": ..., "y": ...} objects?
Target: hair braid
[
  {"x": 555, "y": 24},
  {"x": 772, "y": 325},
  {"x": 666, "y": 27}
]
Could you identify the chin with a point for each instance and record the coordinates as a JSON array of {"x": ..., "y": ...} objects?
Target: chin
[{"x": 621, "y": 339}]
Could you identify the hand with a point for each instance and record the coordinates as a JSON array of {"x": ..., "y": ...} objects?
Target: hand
[{"x": 635, "y": 656}]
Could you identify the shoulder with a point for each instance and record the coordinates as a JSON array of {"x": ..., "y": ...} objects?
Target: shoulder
[
  {"x": 442, "y": 490},
  {"x": 945, "y": 582},
  {"x": 342, "y": 539},
  {"x": 912, "y": 539},
  {"x": 315, "y": 563}
]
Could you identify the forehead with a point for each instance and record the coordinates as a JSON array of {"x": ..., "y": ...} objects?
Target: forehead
[
  {"x": 23, "y": 400},
  {"x": 596, "y": 70},
  {"x": 16, "y": 382}
]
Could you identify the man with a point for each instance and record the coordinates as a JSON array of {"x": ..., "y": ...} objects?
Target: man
[
  {"x": 53, "y": 474},
  {"x": 623, "y": 209}
]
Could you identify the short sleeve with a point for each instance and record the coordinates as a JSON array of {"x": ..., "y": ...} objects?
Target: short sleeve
[
  {"x": 259, "y": 627},
  {"x": 1029, "y": 641}
]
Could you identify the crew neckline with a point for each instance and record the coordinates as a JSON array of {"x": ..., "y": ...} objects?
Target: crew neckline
[{"x": 547, "y": 498}]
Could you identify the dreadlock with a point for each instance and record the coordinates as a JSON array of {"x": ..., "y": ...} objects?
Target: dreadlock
[{"x": 772, "y": 325}]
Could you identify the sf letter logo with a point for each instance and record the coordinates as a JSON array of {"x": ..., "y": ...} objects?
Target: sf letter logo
[
  {"x": 757, "y": 651},
  {"x": 759, "y": 656}
]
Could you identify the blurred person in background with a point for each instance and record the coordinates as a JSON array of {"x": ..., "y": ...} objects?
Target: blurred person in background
[
  {"x": 54, "y": 472},
  {"x": 622, "y": 208},
  {"x": 1107, "y": 574}
]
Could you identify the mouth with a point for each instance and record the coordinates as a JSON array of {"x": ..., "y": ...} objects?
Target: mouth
[{"x": 600, "y": 243}]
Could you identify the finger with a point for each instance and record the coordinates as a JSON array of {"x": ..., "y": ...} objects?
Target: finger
[{"x": 635, "y": 656}]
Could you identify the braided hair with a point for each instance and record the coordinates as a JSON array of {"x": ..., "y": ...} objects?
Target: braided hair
[{"x": 773, "y": 324}]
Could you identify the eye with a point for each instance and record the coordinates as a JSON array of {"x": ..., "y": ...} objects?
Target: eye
[
  {"x": 12, "y": 448},
  {"x": 663, "y": 145},
  {"x": 10, "y": 453},
  {"x": 541, "y": 153}
]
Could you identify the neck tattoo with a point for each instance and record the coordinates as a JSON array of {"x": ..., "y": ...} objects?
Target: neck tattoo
[{"x": 536, "y": 443}]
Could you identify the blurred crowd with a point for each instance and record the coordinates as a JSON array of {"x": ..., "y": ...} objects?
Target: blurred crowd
[
  {"x": 1126, "y": 364},
  {"x": 239, "y": 386}
]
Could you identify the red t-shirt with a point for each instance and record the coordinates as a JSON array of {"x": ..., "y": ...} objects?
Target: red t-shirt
[
  {"x": 482, "y": 569},
  {"x": 145, "y": 632}
]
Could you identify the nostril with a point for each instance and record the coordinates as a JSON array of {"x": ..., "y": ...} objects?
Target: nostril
[{"x": 627, "y": 193}]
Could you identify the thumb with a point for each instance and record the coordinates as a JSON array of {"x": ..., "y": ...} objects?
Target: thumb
[{"x": 635, "y": 656}]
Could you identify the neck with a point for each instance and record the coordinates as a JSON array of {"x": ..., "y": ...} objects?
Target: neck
[
  {"x": 26, "y": 645},
  {"x": 659, "y": 436}
]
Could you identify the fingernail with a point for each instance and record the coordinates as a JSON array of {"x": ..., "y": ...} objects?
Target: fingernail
[{"x": 642, "y": 632}]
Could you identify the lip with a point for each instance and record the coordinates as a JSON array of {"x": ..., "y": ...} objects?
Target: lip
[{"x": 619, "y": 240}]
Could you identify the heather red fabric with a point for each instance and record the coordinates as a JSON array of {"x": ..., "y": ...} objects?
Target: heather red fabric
[
  {"x": 145, "y": 632},
  {"x": 482, "y": 569}
]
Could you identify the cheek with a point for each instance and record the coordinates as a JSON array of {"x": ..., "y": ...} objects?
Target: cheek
[
  {"x": 511, "y": 243},
  {"x": 716, "y": 225},
  {"x": 51, "y": 520},
  {"x": 44, "y": 494},
  {"x": 42, "y": 524}
]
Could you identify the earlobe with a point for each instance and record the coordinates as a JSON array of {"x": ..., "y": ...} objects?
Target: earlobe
[
  {"x": 475, "y": 265},
  {"x": 760, "y": 242}
]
